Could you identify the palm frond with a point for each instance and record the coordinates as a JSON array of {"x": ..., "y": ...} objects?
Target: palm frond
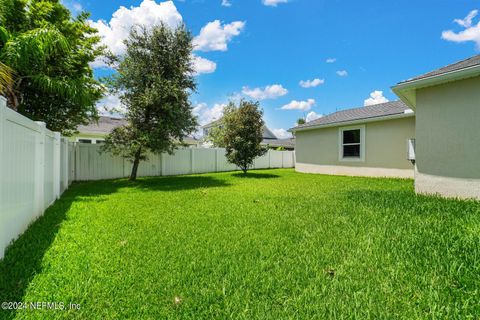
[
  {"x": 34, "y": 47},
  {"x": 6, "y": 77}
]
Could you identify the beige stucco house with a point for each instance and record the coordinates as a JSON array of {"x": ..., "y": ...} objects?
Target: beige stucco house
[
  {"x": 365, "y": 141},
  {"x": 447, "y": 107},
  {"x": 432, "y": 134}
]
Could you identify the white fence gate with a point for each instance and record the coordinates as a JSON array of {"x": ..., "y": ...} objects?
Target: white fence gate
[
  {"x": 37, "y": 166},
  {"x": 33, "y": 172}
]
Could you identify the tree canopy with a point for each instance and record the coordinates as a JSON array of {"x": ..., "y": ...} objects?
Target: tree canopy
[
  {"x": 154, "y": 80},
  {"x": 243, "y": 133},
  {"x": 45, "y": 57}
]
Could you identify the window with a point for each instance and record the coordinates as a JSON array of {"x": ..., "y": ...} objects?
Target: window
[
  {"x": 352, "y": 140},
  {"x": 84, "y": 140}
]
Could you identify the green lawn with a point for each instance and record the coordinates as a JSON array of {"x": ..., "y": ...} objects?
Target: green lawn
[{"x": 273, "y": 245}]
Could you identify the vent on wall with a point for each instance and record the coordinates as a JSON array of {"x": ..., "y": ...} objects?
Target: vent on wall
[{"x": 411, "y": 150}]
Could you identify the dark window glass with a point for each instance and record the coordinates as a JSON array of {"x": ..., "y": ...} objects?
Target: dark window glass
[
  {"x": 351, "y": 151},
  {"x": 84, "y": 141},
  {"x": 351, "y": 136}
]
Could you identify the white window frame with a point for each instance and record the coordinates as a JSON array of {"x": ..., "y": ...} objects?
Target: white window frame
[{"x": 362, "y": 144}]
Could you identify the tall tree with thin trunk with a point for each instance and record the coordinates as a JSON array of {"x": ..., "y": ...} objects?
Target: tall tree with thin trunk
[
  {"x": 243, "y": 133},
  {"x": 154, "y": 80}
]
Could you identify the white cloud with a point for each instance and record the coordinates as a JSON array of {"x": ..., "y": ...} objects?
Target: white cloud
[
  {"x": 206, "y": 115},
  {"x": 282, "y": 133},
  {"x": 269, "y": 92},
  {"x": 467, "y": 21},
  {"x": 311, "y": 83},
  {"x": 148, "y": 14},
  {"x": 111, "y": 104},
  {"x": 470, "y": 33},
  {"x": 202, "y": 65},
  {"x": 331, "y": 60},
  {"x": 342, "y": 73},
  {"x": 312, "y": 115},
  {"x": 273, "y": 3},
  {"x": 214, "y": 36},
  {"x": 376, "y": 97},
  {"x": 226, "y": 3},
  {"x": 299, "y": 105}
]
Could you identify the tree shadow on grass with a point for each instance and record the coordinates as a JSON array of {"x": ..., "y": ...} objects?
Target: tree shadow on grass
[
  {"x": 255, "y": 175},
  {"x": 23, "y": 258},
  {"x": 176, "y": 183}
]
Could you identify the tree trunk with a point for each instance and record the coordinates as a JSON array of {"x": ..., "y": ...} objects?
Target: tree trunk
[{"x": 136, "y": 162}]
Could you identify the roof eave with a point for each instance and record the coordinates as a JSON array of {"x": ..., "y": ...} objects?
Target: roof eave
[
  {"x": 352, "y": 122},
  {"x": 406, "y": 91}
]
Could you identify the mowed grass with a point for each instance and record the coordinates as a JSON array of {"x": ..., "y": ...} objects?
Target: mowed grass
[{"x": 273, "y": 245}]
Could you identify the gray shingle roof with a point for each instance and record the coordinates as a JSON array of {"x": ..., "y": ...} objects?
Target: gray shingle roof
[
  {"x": 467, "y": 63},
  {"x": 286, "y": 143},
  {"x": 105, "y": 125},
  {"x": 369, "y": 112}
]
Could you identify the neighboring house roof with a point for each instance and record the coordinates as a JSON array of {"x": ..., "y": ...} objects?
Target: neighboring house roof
[
  {"x": 267, "y": 133},
  {"x": 286, "y": 143},
  {"x": 376, "y": 111},
  {"x": 104, "y": 126},
  {"x": 407, "y": 90},
  {"x": 212, "y": 124},
  {"x": 457, "y": 66}
]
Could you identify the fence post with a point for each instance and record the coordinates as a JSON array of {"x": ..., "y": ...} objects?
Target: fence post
[
  {"x": 162, "y": 160},
  {"x": 192, "y": 160},
  {"x": 40, "y": 168},
  {"x": 269, "y": 159},
  {"x": 216, "y": 160},
  {"x": 66, "y": 163},
  {"x": 56, "y": 165},
  {"x": 3, "y": 105}
]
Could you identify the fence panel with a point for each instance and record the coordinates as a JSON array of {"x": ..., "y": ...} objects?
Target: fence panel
[
  {"x": 92, "y": 164},
  {"x": 262, "y": 162},
  {"x": 178, "y": 163},
  {"x": 222, "y": 163},
  {"x": 48, "y": 194},
  {"x": 276, "y": 159},
  {"x": 288, "y": 159},
  {"x": 30, "y": 172},
  {"x": 204, "y": 160}
]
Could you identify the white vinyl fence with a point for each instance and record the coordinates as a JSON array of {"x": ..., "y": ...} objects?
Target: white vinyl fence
[
  {"x": 92, "y": 164},
  {"x": 33, "y": 172},
  {"x": 37, "y": 166}
]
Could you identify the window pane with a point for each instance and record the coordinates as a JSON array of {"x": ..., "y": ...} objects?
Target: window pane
[
  {"x": 351, "y": 136},
  {"x": 351, "y": 151}
]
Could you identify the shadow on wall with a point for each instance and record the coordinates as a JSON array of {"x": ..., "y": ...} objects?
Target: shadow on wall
[{"x": 23, "y": 258}]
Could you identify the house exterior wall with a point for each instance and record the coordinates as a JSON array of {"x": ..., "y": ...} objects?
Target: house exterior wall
[
  {"x": 317, "y": 150},
  {"x": 448, "y": 139}
]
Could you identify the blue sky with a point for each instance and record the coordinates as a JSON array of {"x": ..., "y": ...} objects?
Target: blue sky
[{"x": 248, "y": 45}]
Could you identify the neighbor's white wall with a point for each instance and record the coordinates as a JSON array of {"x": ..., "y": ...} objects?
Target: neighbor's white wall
[{"x": 30, "y": 172}]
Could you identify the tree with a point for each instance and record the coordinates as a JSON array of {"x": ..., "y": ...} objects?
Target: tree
[
  {"x": 155, "y": 80},
  {"x": 243, "y": 133},
  {"x": 300, "y": 121},
  {"x": 216, "y": 136},
  {"x": 45, "y": 57}
]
